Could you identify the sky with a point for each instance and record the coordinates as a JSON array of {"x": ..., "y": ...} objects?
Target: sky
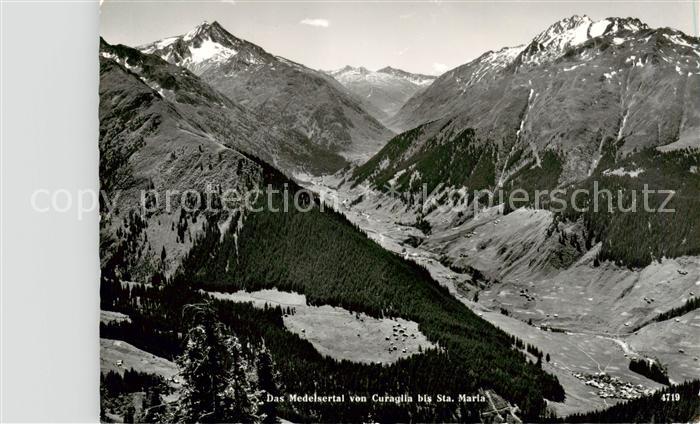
[{"x": 418, "y": 36}]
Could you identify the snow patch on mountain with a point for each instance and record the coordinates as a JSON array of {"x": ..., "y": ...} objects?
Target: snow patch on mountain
[
  {"x": 621, "y": 172},
  {"x": 598, "y": 28},
  {"x": 160, "y": 44},
  {"x": 418, "y": 79},
  {"x": 209, "y": 50},
  {"x": 204, "y": 47}
]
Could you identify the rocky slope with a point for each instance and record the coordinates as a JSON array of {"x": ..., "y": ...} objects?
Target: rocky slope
[
  {"x": 387, "y": 89},
  {"x": 332, "y": 122},
  {"x": 162, "y": 128},
  {"x": 554, "y": 113},
  {"x": 607, "y": 104}
]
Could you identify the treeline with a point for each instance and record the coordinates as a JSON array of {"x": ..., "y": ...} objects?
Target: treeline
[
  {"x": 390, "y": 153},
  {"x": 116, "y": 398},
  {"x": 531, "y": 178},
  {"x": 631, "y": 233},
  {"x": 144, "y": 334},
  {"x": 325, "y": 257},
  {"x": 157, "y": 326},
  {"x": 302, "y": 369},
  {"x": 445, "y": 159},
  {"x": 689, "y": 305},
  {"x": 132, "y": 381},
  {"x": 650, "y": 369},
  {"x": 675, "y": 404}
]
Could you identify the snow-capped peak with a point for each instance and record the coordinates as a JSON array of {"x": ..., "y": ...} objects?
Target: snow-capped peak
[
  {"x": 566, "y": 32},
  {"x": 196, "y": 31},
  {"x": 574, "y": 31},
  {"x": 349, "y": 72},
  {"x": 205, "y": 46},
  {"x": 212, "y": 31}
]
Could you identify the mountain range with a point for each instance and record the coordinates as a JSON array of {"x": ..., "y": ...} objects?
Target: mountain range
[
  {"x": 387, "y": 89},
  {"x": 606, "y": 107},
  {"x": 163, "y": 128}
]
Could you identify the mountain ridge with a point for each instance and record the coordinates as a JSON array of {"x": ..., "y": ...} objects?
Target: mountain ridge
[
  {"x": 548, "y": 46},
  {"x": 307, "y": 101}
]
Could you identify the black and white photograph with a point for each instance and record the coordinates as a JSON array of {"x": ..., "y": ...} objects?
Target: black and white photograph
[{"x": 396, "y": 211}]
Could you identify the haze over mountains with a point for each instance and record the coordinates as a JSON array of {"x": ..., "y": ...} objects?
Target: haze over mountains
[{"x": 612, "y": 102}]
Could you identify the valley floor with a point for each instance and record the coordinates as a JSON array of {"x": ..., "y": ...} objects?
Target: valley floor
[{"x": 593, "y": 310}]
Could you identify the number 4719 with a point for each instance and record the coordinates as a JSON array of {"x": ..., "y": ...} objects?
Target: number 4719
[{"x": 671, "y": 397}]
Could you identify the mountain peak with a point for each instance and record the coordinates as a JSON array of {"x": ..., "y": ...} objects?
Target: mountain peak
[
  {"x": 213, "y": 31},
  {"x": 354, "y": 73},
  {"x": 568, "y": 31},
  {"x": 419, "y": 79},
  {"x": 393, "y": 71},
  {"x": 206, "y": 45},
  {"x": 570, "y": 22},
  {"x": 347, "y": 69},
  {"x": 200, "y": 29},
  {"x": 389, "y": 70},
  {"x": 573, "y": 31}
]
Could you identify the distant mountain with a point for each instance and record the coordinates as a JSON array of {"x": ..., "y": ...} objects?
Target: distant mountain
[
  {"x": 274, "y": 88},
  {"x": 386, "y": 89}
]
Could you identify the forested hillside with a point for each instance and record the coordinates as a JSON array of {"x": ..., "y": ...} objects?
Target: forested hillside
[
  {"x": 320, "y": 254},
  {"x": 451, "y": 159},
  {"x": 636, "y": 237}
]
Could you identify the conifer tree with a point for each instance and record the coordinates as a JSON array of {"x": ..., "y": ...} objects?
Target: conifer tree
[
  {"x": 216, "y": 375},
  {"x": 268, "y": 386}
]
